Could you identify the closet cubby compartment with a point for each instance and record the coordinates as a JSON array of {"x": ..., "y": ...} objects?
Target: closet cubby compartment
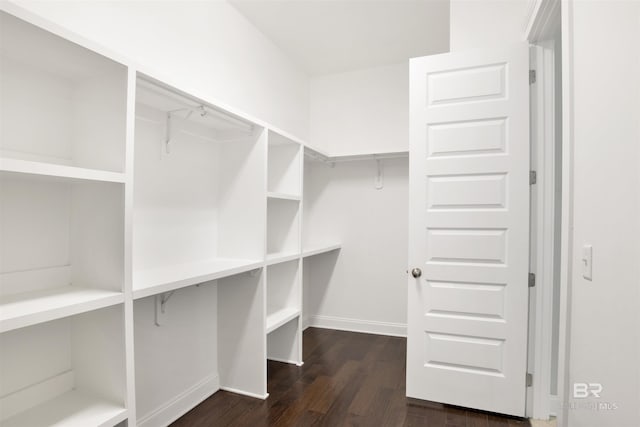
[
  {"x": 284, "y": 304},
  {"x": 285, "y": 158},
  {"x": 61, "y": 248},
  {"x": 283, "y": 230},
  {"x": 199, "y": 194},
  {"x": 69, "y": 371},
  {"x": 319, "y": 236},
  {"x": 63, "y": 107}
]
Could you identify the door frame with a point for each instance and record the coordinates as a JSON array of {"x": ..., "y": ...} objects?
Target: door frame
[
  {"x": 543, "y": 229},
  {"x": 543, "y": 18}
]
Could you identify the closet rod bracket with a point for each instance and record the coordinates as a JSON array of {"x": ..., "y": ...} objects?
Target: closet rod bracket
[
  {"x": 160, "y": 307},
  {"x": 379, "y": 179}
]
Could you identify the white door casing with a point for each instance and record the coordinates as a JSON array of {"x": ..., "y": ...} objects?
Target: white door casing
[{"x": 469, "y": 229}]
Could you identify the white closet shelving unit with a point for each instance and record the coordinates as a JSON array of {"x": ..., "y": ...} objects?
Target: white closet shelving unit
[
  {"x": 284, "y": 229},
  {"x": 62, "y": 186},
  {"x": 198, "y": 219},
  {"x": 136, "y": 216}
]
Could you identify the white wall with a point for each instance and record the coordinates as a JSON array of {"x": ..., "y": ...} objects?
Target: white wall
[
  {"x": 361, "y": 111},
  {"x": 483, "y": 23},
  {"x": 206, "y": 45},
  {"x": 364, "y": 288},
  {"x": 605, "y": 312}
]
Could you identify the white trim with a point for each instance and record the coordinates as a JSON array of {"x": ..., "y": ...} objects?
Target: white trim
[
  {"x": 170, "y": 411},
  {"x": 245, "y": 393},
  {"x": 542, "y": 17},
  {"x": 358, "y": 325},
  {"x": 564, "y": 323},
  {"x": 542, "y": 24},
  {"x": 543, "y": 226}
]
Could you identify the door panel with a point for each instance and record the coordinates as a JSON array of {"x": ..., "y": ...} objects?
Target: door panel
[{"x": 469, "y": 229}]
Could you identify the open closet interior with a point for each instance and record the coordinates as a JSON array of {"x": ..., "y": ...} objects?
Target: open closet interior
[{"x": 152, "y": 242}]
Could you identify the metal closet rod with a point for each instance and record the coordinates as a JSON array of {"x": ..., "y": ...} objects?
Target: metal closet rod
[
  {"x": 204, "y": 110},
  {"x": 189, "y": 104}
]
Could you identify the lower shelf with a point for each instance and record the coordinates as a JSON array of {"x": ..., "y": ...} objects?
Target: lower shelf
[
  {"x": 165, "y": 279},
  {"x": 72, "y": 409},
  {"x": 280, "y": 317},
  {"x": 30, "y": 308}
]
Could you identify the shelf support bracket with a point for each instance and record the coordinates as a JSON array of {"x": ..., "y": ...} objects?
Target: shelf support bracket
[
  {"x": 160, "y": 304},
  {"x": 167, "y": 135},
  {"x": 379, "y": 179}
]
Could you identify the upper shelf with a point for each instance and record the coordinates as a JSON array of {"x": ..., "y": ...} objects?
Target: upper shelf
[
  {"x": 181, "y": 112},
  {"x": 333, "y": 158},
  {"x": 41, "y": 49},
  {"x": 71, "y": 173},
  {"x": 168, "y": 278}
]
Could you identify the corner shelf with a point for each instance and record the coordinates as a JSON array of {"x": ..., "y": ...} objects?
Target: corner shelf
[
  {"x": 71, "y": 173},
  {"x": 280, "y": 317},
  {"x": 320, "y": 249},
  {"x": 164, "y": 279},
  {"x": 316, "y": 154},
  {"x": 72, "y": 409},
  {"x": 30, "y": 308}
]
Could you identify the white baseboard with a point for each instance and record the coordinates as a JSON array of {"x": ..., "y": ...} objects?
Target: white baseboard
[
  {"x": 181, "y": 404},
  {"x": 357, "y": 325},
  {"x": 290, "y": 362},
  {"x": 245, "y": 393}
]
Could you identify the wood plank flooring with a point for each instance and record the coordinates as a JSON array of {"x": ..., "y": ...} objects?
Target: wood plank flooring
[{"x": 348, "y": 379}]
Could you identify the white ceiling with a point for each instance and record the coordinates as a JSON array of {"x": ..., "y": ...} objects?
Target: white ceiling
[{"x": 330, "y": 36}]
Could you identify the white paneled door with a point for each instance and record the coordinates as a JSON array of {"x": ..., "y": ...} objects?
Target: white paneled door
[{"x": 469, "y": 229}]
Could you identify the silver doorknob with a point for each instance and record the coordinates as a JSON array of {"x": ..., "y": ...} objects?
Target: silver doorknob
[{"x": 416, "y": 272}]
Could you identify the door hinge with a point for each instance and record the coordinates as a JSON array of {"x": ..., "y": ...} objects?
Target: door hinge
[
  {"x": 532, "y": 280},
  {"x": 529, "y": 379},
  {"x": 532, "y": 76},
  {"x": 533, "y": 177}
]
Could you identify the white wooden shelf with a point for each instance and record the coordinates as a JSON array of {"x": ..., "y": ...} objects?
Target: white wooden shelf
[
  {"x": 320, "y": 249},
  {"x": 280, "y": 317},
  {"x": 165, "y": 279},
  {"x": 72, "y": 409},
  {"x": 283, "y": 196},
  {"x": 72, "y": 173},
  {"x": 315, "y": 154},
  {"x": 30, "y": 308},
  {"x": 278, "y": 257}
]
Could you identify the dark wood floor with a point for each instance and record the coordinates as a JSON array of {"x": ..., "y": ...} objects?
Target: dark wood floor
[{"x": 348, "y": 379}]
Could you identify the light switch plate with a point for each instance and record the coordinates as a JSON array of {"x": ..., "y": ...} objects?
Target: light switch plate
[{"x": 587, "y": 262}]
